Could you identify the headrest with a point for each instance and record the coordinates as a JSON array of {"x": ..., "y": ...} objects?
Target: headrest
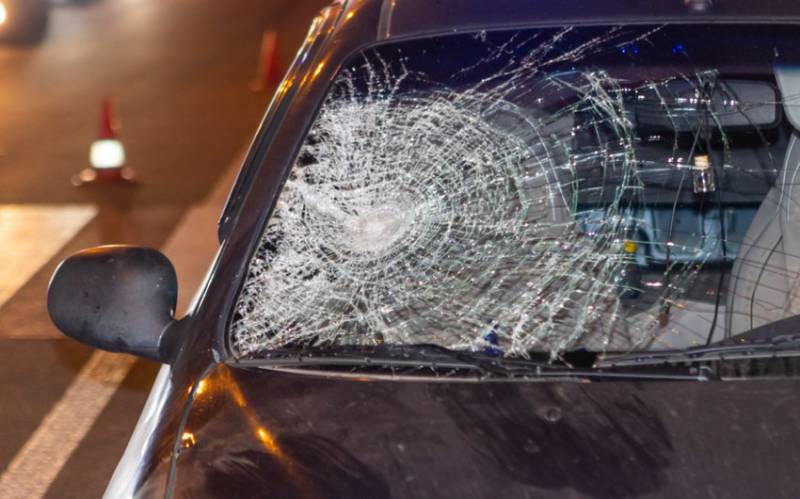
[{"x": 788, "y": 78}]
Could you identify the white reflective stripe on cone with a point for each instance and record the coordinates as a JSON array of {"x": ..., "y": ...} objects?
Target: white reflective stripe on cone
[{"x": 107, "y": 153}]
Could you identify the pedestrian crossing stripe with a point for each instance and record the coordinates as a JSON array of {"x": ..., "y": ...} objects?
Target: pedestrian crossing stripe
[{"x": 30, "y": 235}]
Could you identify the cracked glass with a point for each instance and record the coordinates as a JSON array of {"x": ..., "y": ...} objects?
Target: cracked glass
[{"x": 612, "y": 189}]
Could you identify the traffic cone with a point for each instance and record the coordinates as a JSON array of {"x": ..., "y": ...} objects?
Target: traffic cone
[
  {"x": 107, "y": 154},
  {"x": 269, "y": 71}
]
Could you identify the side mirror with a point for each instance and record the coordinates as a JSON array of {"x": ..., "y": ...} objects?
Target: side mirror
[{"x": 116, "y": 298}]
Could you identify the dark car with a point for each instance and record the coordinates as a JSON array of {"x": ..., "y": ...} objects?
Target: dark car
[
  {"x": 488, "y": 249},
  {"x": 23, "y": 21}
]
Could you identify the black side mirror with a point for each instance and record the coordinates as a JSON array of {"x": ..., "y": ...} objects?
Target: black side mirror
[{"x": 116, "y": 298}]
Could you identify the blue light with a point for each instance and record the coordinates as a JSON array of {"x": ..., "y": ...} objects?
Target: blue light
[
  {"x": 678, "y": 49},
  {"x": 632, "y": 49}
]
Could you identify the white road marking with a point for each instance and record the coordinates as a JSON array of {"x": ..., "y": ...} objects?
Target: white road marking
[
  {"x": 40, "y": 460},
  {"x": 30, "y": 235}
]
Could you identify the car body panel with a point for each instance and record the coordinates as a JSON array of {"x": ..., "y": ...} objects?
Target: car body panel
[{"x": 292, "y": 434}]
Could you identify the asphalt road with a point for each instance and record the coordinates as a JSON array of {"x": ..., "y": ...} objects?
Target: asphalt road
[{"x": 178, "y": 71}]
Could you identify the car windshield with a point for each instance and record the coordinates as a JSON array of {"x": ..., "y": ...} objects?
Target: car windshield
[{"x": 613, "y": 189}]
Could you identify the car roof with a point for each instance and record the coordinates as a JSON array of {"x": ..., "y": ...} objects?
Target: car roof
[{"x": 408, "y": 18}]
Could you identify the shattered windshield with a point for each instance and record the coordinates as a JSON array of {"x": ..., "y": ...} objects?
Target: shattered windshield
[{"x": 611, "y": 189}]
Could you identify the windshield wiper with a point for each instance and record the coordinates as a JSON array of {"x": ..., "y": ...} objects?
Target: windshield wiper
[
  {"x": 777, "y": 339},
  {"x": 411, "y": 357},
  {"x": 356, "y": 358},
  {"x": 403, "y": 359}
]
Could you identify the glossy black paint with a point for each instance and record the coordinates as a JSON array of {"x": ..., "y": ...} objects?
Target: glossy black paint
[
  {"x": 258, "y": 433},
  {"x": 116, "y": 298},
  {"x": 341, "y": 437},
  {"x": 403, "y": 17}
]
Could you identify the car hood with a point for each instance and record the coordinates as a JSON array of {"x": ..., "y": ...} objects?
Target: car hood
[{"x": 267, "y": 433}]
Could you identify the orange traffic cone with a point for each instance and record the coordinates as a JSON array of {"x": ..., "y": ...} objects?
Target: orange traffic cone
[
  {"x": 269, "y": 71},
  {"x": 107, "y": 154}
]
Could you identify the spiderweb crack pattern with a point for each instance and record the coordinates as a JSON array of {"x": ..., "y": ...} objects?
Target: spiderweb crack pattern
[{"x": 431, "y": 217}]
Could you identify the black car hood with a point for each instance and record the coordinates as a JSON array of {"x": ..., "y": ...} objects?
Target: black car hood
[{"x": 265, "y": 433}]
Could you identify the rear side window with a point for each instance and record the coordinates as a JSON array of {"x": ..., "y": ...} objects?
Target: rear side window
[{"x": 533, "y": 191}]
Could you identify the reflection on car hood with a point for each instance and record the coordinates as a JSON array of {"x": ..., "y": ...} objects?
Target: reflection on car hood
[{"x": 256, "y": 431}]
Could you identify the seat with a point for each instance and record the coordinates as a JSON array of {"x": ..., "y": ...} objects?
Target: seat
[{"x": 765, "y": 279}]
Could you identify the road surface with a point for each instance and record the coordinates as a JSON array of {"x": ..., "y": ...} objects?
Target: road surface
[{"x": 178, "y": 72}]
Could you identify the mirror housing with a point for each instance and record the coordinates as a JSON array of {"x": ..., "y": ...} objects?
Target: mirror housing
[{"x": 116, "y": 298}]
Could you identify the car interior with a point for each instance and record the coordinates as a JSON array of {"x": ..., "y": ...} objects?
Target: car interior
[
  {"x": 711, "y": 223},
  {"x": 735, "y": 243}
]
